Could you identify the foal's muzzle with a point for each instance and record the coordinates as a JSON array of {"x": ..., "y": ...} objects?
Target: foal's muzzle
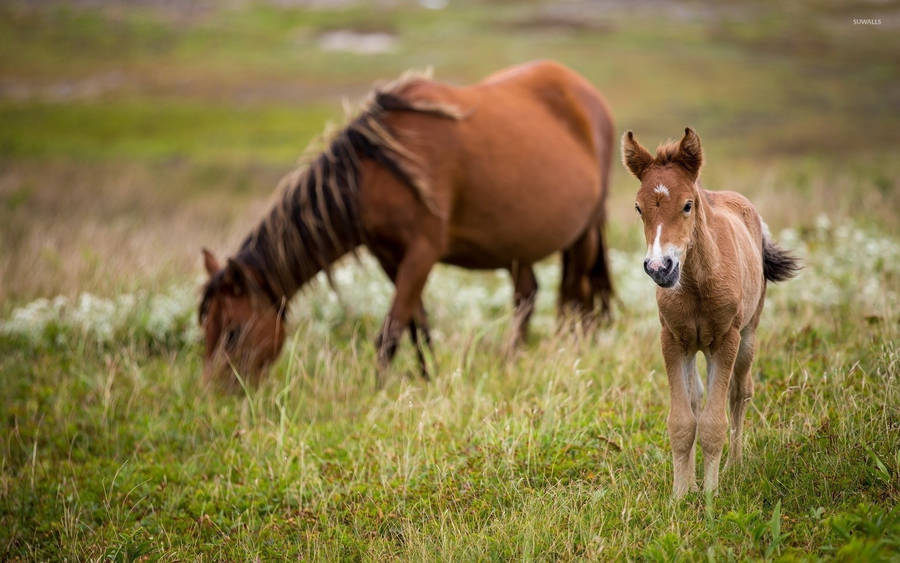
[{"x": 664, "y": 272}]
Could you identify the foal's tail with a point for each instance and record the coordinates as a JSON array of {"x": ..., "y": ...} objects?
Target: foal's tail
[{"x": 778, "y": 263}]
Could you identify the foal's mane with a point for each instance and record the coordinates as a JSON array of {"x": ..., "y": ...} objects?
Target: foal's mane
[
  {"x": 314, "y": 219},
  {"x": 667, "y": 152}
]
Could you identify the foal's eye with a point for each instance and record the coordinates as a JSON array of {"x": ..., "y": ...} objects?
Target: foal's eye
[
  {"x": 688, "y": 206},
  {"x": 637, "y": 208}
]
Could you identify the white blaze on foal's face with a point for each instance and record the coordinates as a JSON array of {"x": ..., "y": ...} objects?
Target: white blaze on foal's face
[{"x": 665, "y": 203}]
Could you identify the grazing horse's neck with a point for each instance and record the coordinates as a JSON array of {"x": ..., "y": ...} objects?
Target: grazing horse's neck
[
  {"x": 702, "y": 254},
  {"x": 317, "y": 218},
  {"x": 312, "y": 225}
]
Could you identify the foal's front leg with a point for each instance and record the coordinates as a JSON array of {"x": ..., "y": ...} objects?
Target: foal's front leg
[
  {"x": 713, "y": 421},
  {"x": 682, "y": 423}
]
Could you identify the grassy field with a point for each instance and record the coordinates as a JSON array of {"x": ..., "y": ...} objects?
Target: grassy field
[{"x": 132, "y": 136}]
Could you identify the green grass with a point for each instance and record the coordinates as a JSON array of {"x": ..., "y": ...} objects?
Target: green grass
[
  {"x": 132, "y": 137},
  {"x": 145, "y": 129},
  {"x": 561, "y": 452}
]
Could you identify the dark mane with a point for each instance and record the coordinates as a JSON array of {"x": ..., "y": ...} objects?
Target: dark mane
[{"x": 315, "y": 218}]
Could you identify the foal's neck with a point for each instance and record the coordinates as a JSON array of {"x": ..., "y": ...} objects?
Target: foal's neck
[{"x": 702, "y": 256}]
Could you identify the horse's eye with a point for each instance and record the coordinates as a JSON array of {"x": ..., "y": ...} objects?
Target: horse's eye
[
  {"x": 688, "y": 206},
  {"x": 637, "y": 208},
  {"x": 231, "y": 337}
]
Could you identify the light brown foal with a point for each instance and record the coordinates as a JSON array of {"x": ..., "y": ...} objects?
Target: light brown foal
[{"x": 710, "y": 254}]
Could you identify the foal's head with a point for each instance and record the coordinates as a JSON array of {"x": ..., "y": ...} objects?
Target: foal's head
[
  {"x": 243, "y": 329},
  {"x": 667, "y": 201}
]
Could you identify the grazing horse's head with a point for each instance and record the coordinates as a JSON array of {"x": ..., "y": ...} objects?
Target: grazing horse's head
[
  {"x": 667, "y": 201},
  {"x": 243, "y": 328}
]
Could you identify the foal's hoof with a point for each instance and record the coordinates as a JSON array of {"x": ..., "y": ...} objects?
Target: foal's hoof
[
  {"x": 732, "y": 464},
  {"x": 679, "y": 493}
]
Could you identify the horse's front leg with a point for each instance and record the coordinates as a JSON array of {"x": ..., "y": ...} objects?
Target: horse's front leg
[
  {"x": 682, "y": 424},
  {"x": 419, "y": 323},
  {"x": 412, "y": 273},
  {"x": 713, "y": 421},
  {"x": 418, "y": 327}
]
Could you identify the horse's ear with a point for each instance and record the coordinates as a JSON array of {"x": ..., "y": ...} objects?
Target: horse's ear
[
  {"x": 635, "y": 157},
  {"x": 210, "y": 262},
  {"x": 690, "y": 155},
  {"x": 234, "y": 278}
]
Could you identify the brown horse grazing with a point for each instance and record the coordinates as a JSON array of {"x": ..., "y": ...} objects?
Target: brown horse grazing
[
  {"x": 496, "y": 175},
  {"x": 710, "y": 254}
]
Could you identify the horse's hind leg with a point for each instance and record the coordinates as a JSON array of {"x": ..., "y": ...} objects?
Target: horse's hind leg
[
  {"x": 525, "y": 294},
  {"x": 576, "y": 294},
  {"x": 601, "y": 280},
  {"x": 740, "y": 393}
]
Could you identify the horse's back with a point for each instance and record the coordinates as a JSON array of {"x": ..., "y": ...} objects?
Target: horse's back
[
  {"x": 523, "y": 172},
  {"x": 566, "y": 94},
  {"x": 538, "y": 91}
]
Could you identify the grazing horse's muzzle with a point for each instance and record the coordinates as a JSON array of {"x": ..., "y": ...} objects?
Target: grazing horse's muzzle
[{"x": 664, "y": 272}]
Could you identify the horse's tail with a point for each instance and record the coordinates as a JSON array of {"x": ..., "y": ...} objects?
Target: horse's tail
[{"x": 778, "y": 263}]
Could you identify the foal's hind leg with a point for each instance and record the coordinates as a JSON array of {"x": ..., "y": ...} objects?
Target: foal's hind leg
[
  {"x": 740, "y": 394},
  {"x": 525, "y": 294},
  {"x": 693, "y": 383}
]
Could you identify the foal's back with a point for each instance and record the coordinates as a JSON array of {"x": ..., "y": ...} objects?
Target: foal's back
[
  {"x": 739, "y": 210},
  {"x": 737, "y": 229}
]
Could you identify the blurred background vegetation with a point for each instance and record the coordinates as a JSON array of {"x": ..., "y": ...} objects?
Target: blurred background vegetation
[{"x": 135, "y": 132}]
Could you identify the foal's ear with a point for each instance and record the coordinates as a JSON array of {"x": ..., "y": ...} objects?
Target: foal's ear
[
  {"x": 234, "y": 278},
  {"x": 210, "y": 262},
  {"x": 634, "y": 156},
  {"x": 690, "y": 155}
]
